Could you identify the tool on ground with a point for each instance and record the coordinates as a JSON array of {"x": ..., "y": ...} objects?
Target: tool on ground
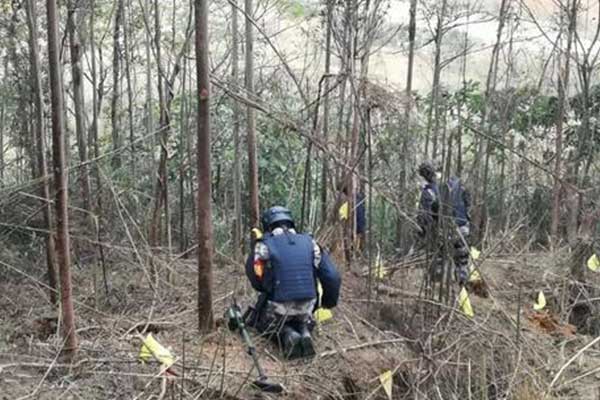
[{"x": 235, "y": 321}]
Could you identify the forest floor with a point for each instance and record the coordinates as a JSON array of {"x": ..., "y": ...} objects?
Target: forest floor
[{"x": 433, "y": 350}]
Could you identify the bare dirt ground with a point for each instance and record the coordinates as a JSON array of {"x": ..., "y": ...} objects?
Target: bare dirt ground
[{"x": 506, "y": 351}]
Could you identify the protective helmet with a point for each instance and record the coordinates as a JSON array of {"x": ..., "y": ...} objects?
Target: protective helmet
[
  {"x": 427, "y": 170},
  {"x": 274, "y": 215}
]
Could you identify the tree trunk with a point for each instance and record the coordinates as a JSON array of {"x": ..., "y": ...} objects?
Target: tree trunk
[
  {"x": 563, "y": 84},
  {"x": 115, "y": 103},
  {"x": 182, "y": 154},
  {"x": 325, "y": 170},
  {"x": 81, "y": 135},
  {"x": 165, "y": 97},
  {"x": 461, "y": 102},
  {"x": 94, "y": 147},
  {"x": 161, "y": 190},
  {"x": 237, "y": 169},
  {"x": 60, "y": 181},
  {"x": 433, "y": 114},
  {"x": 402, "y": 234},
  {"x": 483, "y": 152},
  {"x": 40, "y": 146},
  {"x": 75, "y": 52},
  {"x": 250, "y": 122},
  {"x": 127, "y": 51},
  {"x": 148, "y": 120},
  {"x": 205, "y": 236},
  {"x": 2, "y": 123}
]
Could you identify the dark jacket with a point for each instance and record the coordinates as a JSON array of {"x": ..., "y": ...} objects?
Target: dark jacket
[
  {"x": 429, "y": 205},
  {"x": 460, "y": 200}
]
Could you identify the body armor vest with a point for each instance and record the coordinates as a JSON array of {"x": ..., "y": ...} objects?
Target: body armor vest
[{"x": 291, "y": 271}]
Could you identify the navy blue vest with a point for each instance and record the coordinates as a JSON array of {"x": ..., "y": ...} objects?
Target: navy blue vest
[{"x": 291, "y": 273}]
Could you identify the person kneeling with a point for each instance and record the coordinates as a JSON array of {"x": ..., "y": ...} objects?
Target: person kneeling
[{"x": 283, "y": 267}]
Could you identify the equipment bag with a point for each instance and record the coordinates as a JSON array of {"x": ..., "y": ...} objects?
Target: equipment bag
[{"x": 330, "y": 279}]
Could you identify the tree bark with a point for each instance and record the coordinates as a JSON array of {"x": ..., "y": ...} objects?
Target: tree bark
[
  {"x": 149, "y": 120},
  {"x": 80, "y": 133},
  {"x": 165, "y": 98},
  {"x": 483, "y": 152},
  {"x": 237, "y": 169},
  {"x": 402, "y": 234},
  {"x": 433, "y": 114},
  {"x": 40, "y": 146},
  {"x": 563, "y": 84},
  {"x": 2, "y": 123},
  {"x": 127, "y": 51},
  {"x": 161, "y": 195},
  {"x": 205, "y": 235},
  {"x": 250, "y": 121},
  {"x": 325, "y": 170},
  {"x": 60, "y": 181},
  {"x": 461, "y": 102},
  {"x": 115, "y": 103}
]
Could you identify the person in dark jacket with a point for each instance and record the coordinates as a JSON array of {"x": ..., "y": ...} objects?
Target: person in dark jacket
[
  {"x": 461, "y": 203},
  {"x": 283, "y": 267},
  {"x": 428, "y": 218},
  {"x": 428, "y": 212},
  {"x": 360, "y": 215}
]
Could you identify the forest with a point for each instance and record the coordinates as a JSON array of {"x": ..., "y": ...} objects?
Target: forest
[{"x": 147, "y": 147}]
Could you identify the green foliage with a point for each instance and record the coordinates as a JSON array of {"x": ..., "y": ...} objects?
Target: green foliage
[
  {"x": 533, "y": 109},
  {"x": 471, "y": 96},
  {"x": 295, "y": 8}
]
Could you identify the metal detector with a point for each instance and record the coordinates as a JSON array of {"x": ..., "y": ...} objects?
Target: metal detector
[{"x": 235, "y": 321}]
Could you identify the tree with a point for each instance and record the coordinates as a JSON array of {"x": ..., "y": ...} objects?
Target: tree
[
  {"x": 116, "y": 70},
  {"x": 205, "y": 235},
  {"x": 402, "y": 233},
  {"x": 63, "y": 248},
  {"x": 250, "y": 121},
  {"x": 563, "y": 84},
  {"x": 325, "y": 170},
  {"x": 434, "y": 110},
  {"x": 237, "y": 174},
  {"x": 40, "y": 145}
]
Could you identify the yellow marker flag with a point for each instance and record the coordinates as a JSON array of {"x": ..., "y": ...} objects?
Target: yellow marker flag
[
  {"x": 474, "y": 275},
  {"x": 151, "y": 348},
  {"x": 593, "y": 263},
  {"x": 387, "y": 381},
  {"x": 475, "y": 253},
  {"x": 464, "y": 303},
  {"x": 540, "y": 303},
  {"x": 322, "y": 315},
  {"x": 257, "y": 233},
  {"x": 343, "y": 212},
  {"x": 379, "y": 272}
]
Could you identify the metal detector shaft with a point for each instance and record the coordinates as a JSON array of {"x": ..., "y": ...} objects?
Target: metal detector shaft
[
  {"x": 262, "y": 382},
  {"x": 251, "y": 348}
]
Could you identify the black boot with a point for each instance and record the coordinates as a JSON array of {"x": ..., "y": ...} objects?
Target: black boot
[
  {"x": 308, "y": 349},
  {"x": 291, "y": 343}
]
